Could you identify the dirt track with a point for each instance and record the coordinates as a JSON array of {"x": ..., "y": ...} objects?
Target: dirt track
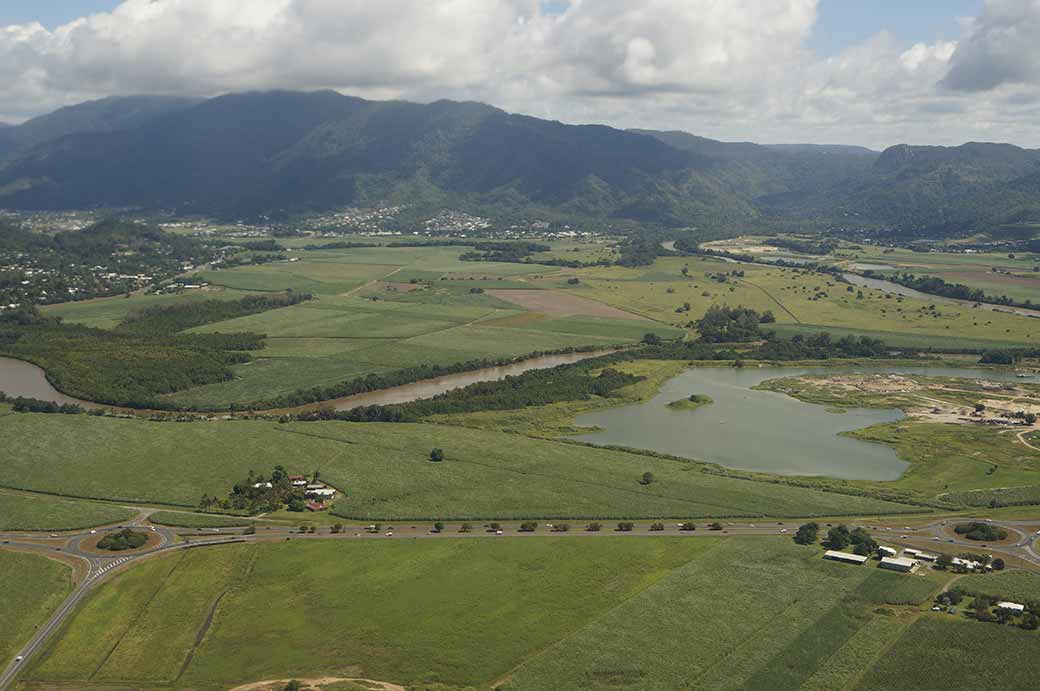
[
  {"x": 554, "y": 304},
  {"x": 277, "y": 684}
]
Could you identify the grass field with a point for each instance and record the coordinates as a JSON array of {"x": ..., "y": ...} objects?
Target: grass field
[
  {"x": 368, "y": 318},
  {"x": 384, "y": 470},
  {"x": 32, "y": 587},
  {"x": 1017, "y": 586},
  {"x": 752, "y": 614},
  {"x": 177, "y": 519},
  {"x": 41, "y": 512},
  {"x": 458, "y": 612},
  {"x": 814, "y": 301},
  {"x": 955, "y": 458},
  {"x": 1014, "y": 278},
  {"x": 938, "y": 653},
  {"x": 107, "y": 313}
]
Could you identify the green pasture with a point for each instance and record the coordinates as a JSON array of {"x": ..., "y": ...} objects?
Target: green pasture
[
  {"x": 107, "y": 313},
  {"x": 177, "y": 519},
  {"x": 751, "y": 614},
  {"x": 32, "y": 587},
  {"x": 795, "y": 297},
  {"x": 1016, "y": 586},
  {"x": 20, "y": 511},
  {"x": 385, "y": 472},
  {"x": 457, "y": 612},
  {"x": 939, "y": 652}
]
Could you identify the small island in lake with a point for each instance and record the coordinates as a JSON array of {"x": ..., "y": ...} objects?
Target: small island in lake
[{"x": 692, "y": 403}]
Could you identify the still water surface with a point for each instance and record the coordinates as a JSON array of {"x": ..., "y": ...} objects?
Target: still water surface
[{"x": 759, "y": 430}]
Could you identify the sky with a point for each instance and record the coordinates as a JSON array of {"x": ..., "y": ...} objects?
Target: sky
[{"x": 874, "y": 73}]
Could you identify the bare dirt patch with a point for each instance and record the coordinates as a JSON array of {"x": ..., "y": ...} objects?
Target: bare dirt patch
[
  {"x": 556, "y": 304},
  {"x": 402, "y": 287}
]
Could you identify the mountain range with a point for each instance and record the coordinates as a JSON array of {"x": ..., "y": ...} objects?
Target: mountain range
[{"x": 287, "y": 152}]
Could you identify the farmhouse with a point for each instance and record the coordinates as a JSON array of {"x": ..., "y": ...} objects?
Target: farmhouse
[
  {"x": 969, "y": 565},
  {"x": 321, "y": 492},
  {"x": 844, "y": 557},
  {"x": 315, "y": 506},
  {"x": 898, "y": 564},
  {"x": 1013, "y": 606}
]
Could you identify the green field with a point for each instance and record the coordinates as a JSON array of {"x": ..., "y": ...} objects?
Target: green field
[
  {"x": 107, "y": 313},
  {"x": 32, "y": 587},
  {"x": 807, "y": 301},
  {"x": 1014, "y": 278},
  {"x": 42, "y": 512},
  {"x": 177, "y": 519},
  {"x": 459, "y": 612},
  {"x": 1016, "y": 586},
  {"x": 385, "y": 472},
  {"x": 938, "y": 653},
  {"x": 752, "y": 614},
  {"x": 367, "y": 317}
]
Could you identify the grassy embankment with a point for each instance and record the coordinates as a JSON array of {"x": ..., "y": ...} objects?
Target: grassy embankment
[
  {"x": 385, "y": 472},
  {"x": 458, "y": 612},
  {"x": 32, "y": 587},
  {"x": 177, "y": 519}
]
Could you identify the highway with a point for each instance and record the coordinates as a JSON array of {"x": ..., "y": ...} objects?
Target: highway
[{"x": 937, "y": 534}]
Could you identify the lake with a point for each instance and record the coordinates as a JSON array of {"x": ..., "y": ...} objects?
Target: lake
[{"x": 760, "y": 430}]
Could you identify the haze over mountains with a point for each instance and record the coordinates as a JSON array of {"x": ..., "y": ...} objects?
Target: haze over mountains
[{"x": 275, "y": 152}]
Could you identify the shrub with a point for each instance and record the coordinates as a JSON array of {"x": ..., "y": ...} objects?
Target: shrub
[
  {"x": 625, "y": 527},
  {"x": 123, "y": 540},
  {"x": 657, "y": 527},
  {"x": 594, "y": 527},
  {"x": 437, "y": 455},
  {"x": 528, "y": 526}
]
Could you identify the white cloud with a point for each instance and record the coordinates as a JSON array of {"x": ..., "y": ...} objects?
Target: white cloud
[
  {"x": 1002, "y": 48},
  {"x": 723, "y": 68}
]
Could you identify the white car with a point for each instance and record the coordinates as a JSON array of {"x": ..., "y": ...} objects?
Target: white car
[
  {"x": 18, "y": 659},
  {"x": 93, "y": 532},
  {"x": 783, "y": 530},
  {"x": 498, "y": 532},
  {"x": 390, "y": 533}
]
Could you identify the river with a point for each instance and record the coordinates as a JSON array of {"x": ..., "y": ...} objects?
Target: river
[
  {"x": 760, "y": 430},
  {"x": 19, "y": 378},
  {"x": 896, "y": 289}
]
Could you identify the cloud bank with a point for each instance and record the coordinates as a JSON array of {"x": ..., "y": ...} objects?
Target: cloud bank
[{"x": 735, "y": 69}]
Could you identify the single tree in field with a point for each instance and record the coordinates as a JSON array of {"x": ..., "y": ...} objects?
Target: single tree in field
[
  {"x": 998, "y": 564},
  {"x": 647, "y": 479},
  {"x": 437, "y": 455},
  {"x": 944, "y": 562}
]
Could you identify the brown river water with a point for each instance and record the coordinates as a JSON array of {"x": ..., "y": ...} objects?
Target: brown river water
[{"x": 19, "y": 378}]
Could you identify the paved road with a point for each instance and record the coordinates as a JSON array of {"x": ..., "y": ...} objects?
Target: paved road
[{"x": 102, "y": 566}]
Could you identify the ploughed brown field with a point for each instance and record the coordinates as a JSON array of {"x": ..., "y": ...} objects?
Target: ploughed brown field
[{"x": 562, "y": 304}]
